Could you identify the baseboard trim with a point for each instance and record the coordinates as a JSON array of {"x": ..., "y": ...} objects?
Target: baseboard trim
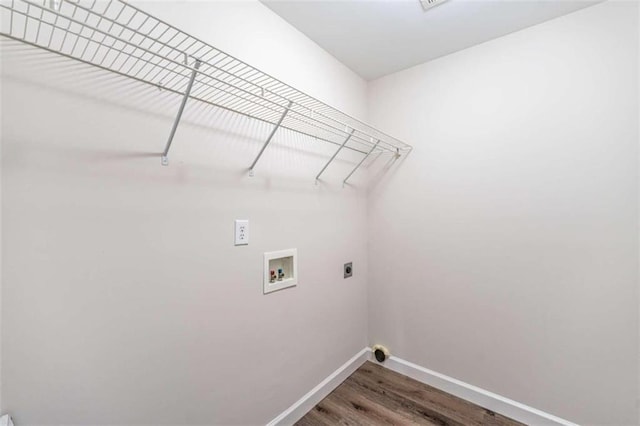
[
  {"x": 494, "y": 402},
  {"x": 324, "y": 388},
  {"x": 484, "y": 398}
]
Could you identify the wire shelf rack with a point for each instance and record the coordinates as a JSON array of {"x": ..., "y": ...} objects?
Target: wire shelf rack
[{"x": 118, "y": 37}]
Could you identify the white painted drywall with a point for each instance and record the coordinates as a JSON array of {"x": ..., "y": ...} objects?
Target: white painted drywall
[
  {"x": 504, "y": 249},
  {"x": 125, "y": 300},
  {"x": 1, "y": 406}
]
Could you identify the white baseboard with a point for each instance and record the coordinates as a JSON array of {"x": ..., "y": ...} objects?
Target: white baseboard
[
  {"x": 324, "y": 388},
  {"x": 494, "y": 402}
]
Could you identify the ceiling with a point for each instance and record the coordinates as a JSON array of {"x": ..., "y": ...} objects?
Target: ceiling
[{"x": 379, "y": 37}]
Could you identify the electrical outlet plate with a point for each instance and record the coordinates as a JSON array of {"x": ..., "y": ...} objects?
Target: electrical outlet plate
[
  {"x": 285, "y": 260},
  {"x": 242, "y": 232},
  {"x": 348, "y": 269}
]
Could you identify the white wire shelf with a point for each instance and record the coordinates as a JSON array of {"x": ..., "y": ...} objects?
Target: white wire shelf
[{"x": 118, "y": 37}]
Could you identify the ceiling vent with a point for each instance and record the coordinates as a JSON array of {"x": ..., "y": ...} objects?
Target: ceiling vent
[{"x": 428, "y": 4}]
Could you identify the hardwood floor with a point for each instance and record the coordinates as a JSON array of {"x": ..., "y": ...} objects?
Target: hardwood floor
[{"x": 374, "y": 395}]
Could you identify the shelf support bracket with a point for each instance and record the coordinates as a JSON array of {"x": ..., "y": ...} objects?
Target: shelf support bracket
[
  {"x": 344, "y": 182},
  {"x": 268, "y": 141},
  {"x": 165, "y": 159},
  {"x": 335, "y": 155}
]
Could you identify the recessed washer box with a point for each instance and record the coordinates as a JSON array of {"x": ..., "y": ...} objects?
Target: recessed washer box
[{"x": 284, "y": 264}]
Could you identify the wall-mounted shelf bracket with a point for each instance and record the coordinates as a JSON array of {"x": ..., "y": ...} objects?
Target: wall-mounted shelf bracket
[
  {"x": 344, "y": 182},
  {"x": 335, "y": 154},
  {"x": 268, "y": 141},
  {"x": 165, "y": 159}
]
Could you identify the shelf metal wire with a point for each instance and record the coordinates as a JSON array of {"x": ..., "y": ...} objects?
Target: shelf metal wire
[{"x": 118, "y": 37}]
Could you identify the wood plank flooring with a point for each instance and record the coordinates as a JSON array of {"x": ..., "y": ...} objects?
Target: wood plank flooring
[{"x": 374, "y": 395}]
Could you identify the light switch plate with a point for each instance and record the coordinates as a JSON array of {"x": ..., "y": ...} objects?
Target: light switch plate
[{"x": 242, "y": 232}]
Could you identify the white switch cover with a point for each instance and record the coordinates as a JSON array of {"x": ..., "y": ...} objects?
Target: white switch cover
[{"x": 242, "y": 232}]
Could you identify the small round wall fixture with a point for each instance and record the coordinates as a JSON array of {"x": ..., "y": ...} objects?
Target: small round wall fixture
[{"x": 380, "y": 353}]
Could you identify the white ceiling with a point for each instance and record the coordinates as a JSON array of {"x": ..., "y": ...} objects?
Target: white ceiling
[{"x": 375, "y": 38}]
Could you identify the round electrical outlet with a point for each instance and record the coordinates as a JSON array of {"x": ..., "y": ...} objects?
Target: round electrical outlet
[{"x": 348, "y": 269}]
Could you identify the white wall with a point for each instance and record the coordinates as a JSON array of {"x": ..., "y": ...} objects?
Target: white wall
[
  {"x": 124, "y": 299},
  {"x": 504, "y": 250},
  {"x": 1, "y": 406}
]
